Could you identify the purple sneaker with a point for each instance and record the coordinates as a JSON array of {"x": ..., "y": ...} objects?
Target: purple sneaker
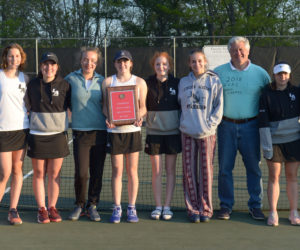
[
  {"x": 116, "y": 215},
  {"x": 131, "y": 214}
]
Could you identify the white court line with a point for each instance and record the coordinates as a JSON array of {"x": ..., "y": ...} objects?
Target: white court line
[
  {"x": 24, "y": 178},
  {"x": 30, "y": 173}
]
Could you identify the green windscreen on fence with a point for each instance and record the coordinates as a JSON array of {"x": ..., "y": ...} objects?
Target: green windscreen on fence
[
  {"x": 70, "y": 61},
  {"x": 145, "y": 198}
]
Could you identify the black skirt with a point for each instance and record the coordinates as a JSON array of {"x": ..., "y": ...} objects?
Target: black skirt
[
  {"x": 124, "y": 143},
  {"x": 163, "y": 144},
  {"x": 48, "y": 146},
  {"x": 13, "y": 140}
]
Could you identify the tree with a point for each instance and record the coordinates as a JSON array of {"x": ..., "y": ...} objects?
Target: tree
[
  {"x": 92, "y": 20},
  {"x": 16, "y": 20},
  {"x": 246, "y": 17},
  {"x": 89, "y": 20},
  {"x": 157, "y": 19}
]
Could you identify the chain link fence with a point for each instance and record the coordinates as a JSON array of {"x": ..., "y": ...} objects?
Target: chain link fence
[{"x": 264, "y": 51}]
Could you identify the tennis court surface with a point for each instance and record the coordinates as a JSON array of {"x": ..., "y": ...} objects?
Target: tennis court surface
[{"x": 241, "y": 232}]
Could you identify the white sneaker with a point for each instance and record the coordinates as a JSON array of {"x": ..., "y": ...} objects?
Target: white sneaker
[
  {"x": 155, "y": 215},
  {"x": 294, "y": 218},
  {"x": 167, "y": 214},
  {"x": 273, "y": 219}
]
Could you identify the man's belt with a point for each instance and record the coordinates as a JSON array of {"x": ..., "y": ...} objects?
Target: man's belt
[{"x": 239, "y": 121}]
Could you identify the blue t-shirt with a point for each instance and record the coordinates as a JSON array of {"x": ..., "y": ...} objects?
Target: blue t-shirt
[{"x": 241, "y": 89}]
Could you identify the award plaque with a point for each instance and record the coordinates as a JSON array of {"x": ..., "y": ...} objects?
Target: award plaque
[{"x": 122, "y": 105}]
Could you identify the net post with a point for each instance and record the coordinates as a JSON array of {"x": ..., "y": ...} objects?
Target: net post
[
  {"x": 174, "y": 55},
  {"x": 37, "y": 55},
  {"x": 105, "y": 57}
]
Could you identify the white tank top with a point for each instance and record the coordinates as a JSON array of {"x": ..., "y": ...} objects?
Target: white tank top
[
  {"x": 123, "y": 128},
  {"x": 13, "y": 113}
]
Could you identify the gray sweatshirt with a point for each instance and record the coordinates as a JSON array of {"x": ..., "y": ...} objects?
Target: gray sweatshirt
[{"x": 201, "y": 101}]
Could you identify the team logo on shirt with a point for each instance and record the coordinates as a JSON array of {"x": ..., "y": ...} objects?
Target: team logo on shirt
[
  {"x": 197, "y": 98},
  {"x": 55, "y": 92},
  {"x": 292, "y": 96},
  {"x": 22, "y": 88},
  {"x": 172, "y": 91}
]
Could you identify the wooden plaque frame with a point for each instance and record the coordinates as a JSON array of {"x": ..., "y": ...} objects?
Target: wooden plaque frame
[{"x": 122, "y": 105}]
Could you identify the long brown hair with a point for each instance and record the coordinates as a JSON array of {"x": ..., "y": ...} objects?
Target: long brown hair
[{"x": 4, "y": 63}]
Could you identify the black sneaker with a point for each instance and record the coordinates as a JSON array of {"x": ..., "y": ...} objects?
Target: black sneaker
[
  {"x": 256, "y": 214},
  {"x": 204, "y": 218},
  {"x": 195, "y": 218},
  {"x": 224, "y": 213}
]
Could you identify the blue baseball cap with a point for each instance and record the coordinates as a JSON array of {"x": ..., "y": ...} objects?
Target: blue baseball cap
[{"x": 123, "y": 54}]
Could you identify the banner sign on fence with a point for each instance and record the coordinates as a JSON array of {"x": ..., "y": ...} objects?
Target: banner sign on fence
[{"x": 216, "y": 55}]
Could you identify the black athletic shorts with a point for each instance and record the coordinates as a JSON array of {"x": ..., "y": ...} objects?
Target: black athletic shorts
[
  {"x": 13, "y": 140},
  {"x": 163, "y": 144},
  {"x": 48, "y": 146},
  {"x": 124, "y": 143}
]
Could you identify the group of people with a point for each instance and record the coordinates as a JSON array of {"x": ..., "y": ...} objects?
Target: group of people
[{"x": 237, "y": 101}]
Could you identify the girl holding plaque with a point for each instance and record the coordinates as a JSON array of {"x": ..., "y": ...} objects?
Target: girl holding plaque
[
  {"x": 163, "y": 135},
  {"x": 125, "y": 140}
]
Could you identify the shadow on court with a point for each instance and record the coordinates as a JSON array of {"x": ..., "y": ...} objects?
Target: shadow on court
[{"x": 240, "y": 232}]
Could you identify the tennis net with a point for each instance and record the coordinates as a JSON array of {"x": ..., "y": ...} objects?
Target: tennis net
[{"x": 145, "y": 198}]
